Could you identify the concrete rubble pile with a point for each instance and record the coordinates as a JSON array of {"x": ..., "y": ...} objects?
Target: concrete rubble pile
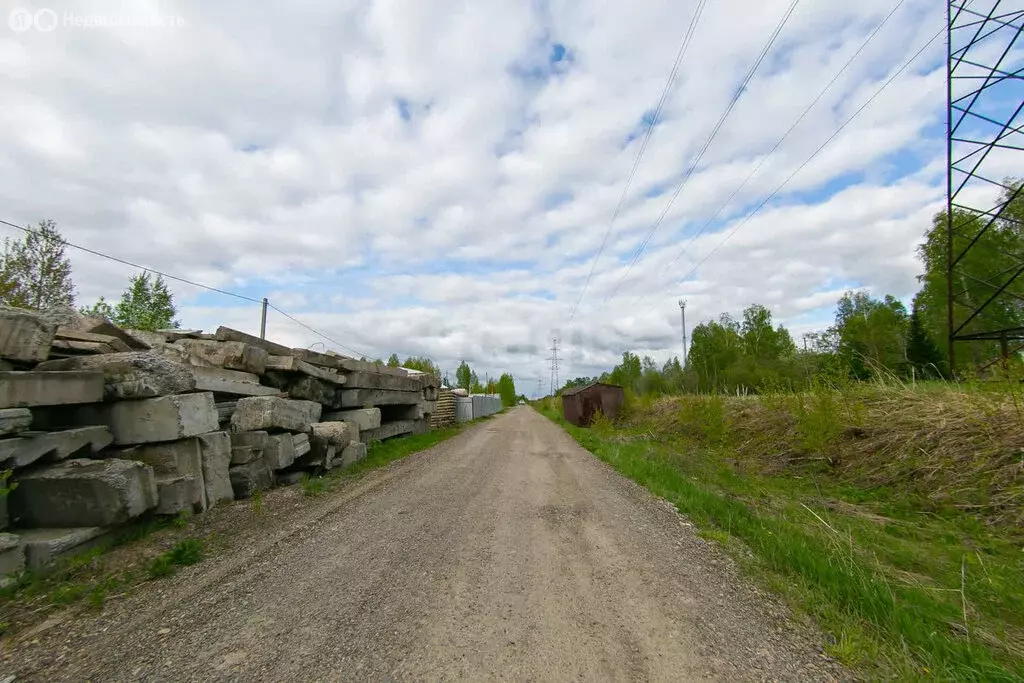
[{"x": 100, "y": 425}]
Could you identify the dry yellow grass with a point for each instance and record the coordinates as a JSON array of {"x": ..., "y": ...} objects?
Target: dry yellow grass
[{"x": 953, "y": 447}]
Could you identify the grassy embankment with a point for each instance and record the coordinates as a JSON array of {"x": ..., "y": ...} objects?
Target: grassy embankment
[
  {"x": 156, "y": 547},
  {"x": 892, "y": 515}
]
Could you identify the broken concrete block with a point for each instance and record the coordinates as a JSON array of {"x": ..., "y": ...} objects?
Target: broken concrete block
[
  {"x": 167, "y": 418},
  {"x": 359, "y": 398},
  {"x": 353, "y": 453},
  {"x": 83, "y": 493},
  {"x": 43, "y": 547},
  {"x": 362, "y": 418},
  {"x": 23, "y": 389},
  {"x": 113, "y": 343},
  {"x": 348, "y": 365},
  {"x": 12, "y": 554},
  {"x": 325, "y": 443},
  {"x": 301, "y": 442},
  {"x": 280, "y": 451},
  {"x": 226, "y": 334},
  {"x": 310, "y": 389},
  {"x": 234, "y": 382},
  {"x": 388, "y": 430},
  {"x": 335, "y": 433},
  {"x": 71, "y": 320},
  {"x": 179, "y": 493},
  {"x": 230, "y": 355},
  {"x": 65, "y": 348},
  {"x": 225, "y": 410},
  {"x": 249, "y": 478},
  {"x": 131, "y": 375},
  {"x": 286, "y": 365},
  {"x": 247, "y": 446},
  {"x": 24, "y": 335},
  {"x": 215, "y": 449},
  {"x": 270, "y": 412},
  {"x": 178, "y": 354},
  {"x": 173, "y": 335},
  {"x": 30, "y": 447},
  {"x": 321, "y": 455},
  {"x": 379, "y": 380},
  {"x": 147, "y": 338},
  {"x": 172, "y": 458},
  {"x": 322, "y": 360},
  {"x": 14, "y": 420}
]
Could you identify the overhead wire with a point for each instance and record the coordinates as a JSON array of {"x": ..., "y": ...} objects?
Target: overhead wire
[
  {"x": 707, "y": 144},
  {"x": 687, "y": 38},
  {"x": 140, "y": 267},
  {"x": 786, "y": 135},
  {"x": 806, "y": 161},
  {"x": 317, "y": 332},
  {"x": 200, "y": 285}
]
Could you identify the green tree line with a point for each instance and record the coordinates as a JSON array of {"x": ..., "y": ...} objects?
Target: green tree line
[
  {"x": 465, "y": 377},
  {"x": 870, "y": 337},
  {"x": 35, "y": 273}
]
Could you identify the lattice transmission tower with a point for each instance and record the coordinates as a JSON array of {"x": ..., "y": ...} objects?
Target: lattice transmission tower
[
  {"x": 554, "y": 365},
  {"x": 984, "y": 141}
]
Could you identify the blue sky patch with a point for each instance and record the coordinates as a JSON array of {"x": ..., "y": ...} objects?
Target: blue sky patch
[
  {"x": 404, "y": 108},
  {"x": 558, "y": 54},
  {"x": 646, "y": 121},
  {"x": 556, "y": 199}
]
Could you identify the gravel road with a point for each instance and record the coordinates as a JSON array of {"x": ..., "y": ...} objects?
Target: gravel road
[{"x": 508, "y": 552}]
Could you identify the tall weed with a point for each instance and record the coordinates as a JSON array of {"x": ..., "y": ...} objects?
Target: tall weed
[
  {"x": 703, "y": 417},
  {"x": 818, "y": 422}
]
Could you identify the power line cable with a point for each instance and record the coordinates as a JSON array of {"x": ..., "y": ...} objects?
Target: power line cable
[
  {"x": 785, "y": 136},
  {"x": 136, "y": 265},
  {"x": 700, "y": 155},
  {"x": 687, "y": 38},
  {"x": 806, "y": 161},
  {"x": 193, "y": 283},
  {"x": 318, "y": 332}
]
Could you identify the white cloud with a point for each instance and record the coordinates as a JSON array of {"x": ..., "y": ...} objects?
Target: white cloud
[{"x": 265, "y": 149}]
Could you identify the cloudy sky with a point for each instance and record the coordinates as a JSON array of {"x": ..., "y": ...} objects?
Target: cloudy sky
[{"x": 435, "y": 177}]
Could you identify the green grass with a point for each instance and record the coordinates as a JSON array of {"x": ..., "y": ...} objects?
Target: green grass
[
  {"x": 383, "y": 453},
  {"x": 181, "y": 519},
  {"x": 888, "y": 578},
  {"x": 185, "y": 552},
  {"x": 312, "y": 485}
]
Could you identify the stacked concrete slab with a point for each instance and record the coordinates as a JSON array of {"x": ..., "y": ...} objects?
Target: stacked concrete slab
[
  {"x": 444, "y": 413},
  {"x": 100, "y": 425}
]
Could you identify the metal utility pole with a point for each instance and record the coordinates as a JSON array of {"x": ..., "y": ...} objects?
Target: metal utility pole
[
  {"x": 554, "y": 365},
  {"x": 263, "y": 320},
  {"x": 682, "y": 311}
]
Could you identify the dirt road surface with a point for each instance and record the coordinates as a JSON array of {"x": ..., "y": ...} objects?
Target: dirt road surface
[{"x": 508, "y": 552}]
